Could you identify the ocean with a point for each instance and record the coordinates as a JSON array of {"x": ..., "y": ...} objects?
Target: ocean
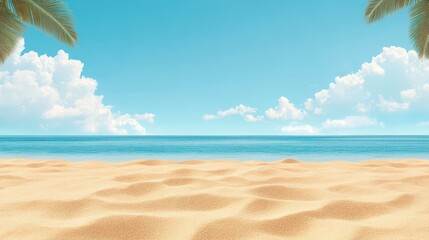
[{"x": 264, "y": 148}]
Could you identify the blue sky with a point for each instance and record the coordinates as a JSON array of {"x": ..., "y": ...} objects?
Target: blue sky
[{"x": 181, "y": 60}]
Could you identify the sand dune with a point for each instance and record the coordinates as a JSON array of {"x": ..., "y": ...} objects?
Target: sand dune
[{"x": 214, "y": 200}]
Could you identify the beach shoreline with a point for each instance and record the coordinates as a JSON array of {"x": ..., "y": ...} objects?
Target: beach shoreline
[{"x": 214, "y": 199}]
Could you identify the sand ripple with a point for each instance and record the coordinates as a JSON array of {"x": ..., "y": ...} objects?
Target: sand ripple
[{"x": 196, "y": 199}]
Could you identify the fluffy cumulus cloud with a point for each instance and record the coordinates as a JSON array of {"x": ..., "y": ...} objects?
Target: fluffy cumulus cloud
[
  {"x": 394, "y": 84},
  {"x": 285, "y": 110},
  {"x": 242, "y": 110},
  {"x": 50, "y": 93},
  {"x": 390, "y": 90}
]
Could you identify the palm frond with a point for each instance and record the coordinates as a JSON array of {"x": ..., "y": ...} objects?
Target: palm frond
[
  {"x": 11, "y": 30},
  {"x": 377, "y": 9},
  {"x": 419, "y": 27},
  {"x": 52, "y": 16}
]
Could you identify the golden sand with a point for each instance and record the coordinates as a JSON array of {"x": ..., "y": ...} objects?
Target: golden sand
[{"x": 214, "y": 200}]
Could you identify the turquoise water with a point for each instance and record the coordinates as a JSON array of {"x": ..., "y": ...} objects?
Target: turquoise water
[{"x": 121, "y": 148}]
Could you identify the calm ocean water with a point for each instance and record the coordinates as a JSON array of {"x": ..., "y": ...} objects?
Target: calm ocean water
[{"x": 121, "y": 148}]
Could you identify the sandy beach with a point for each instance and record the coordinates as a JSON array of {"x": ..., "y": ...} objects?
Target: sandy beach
[{"x": 374, "y": 199}]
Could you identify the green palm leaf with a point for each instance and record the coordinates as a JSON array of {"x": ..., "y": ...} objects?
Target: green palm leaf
[
  {"x": 377, "y": 9},
  {"x": 419, "y": 27},
  {"x": 11, "y": 29},
  {"x": 51, "y": 16},
  {"x": 419, "y": 14}
]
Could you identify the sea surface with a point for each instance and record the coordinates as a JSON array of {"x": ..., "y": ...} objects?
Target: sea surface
[{"x": 265, "y": 148}]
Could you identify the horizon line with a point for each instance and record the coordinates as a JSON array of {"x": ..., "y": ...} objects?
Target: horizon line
[{"x": 207, "y": 135}]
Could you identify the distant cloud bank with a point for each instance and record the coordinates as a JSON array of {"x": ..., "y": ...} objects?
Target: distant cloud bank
[
  {"x": 242, "y": 110},
  {"x": 394, "y": 84},
  {"x": 50, "y": 94}
]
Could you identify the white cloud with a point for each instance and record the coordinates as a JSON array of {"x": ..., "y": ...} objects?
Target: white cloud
[
  {"x": 237, "y": 110},
  {"x": 148, "y": 117},
  {"x": 240, "y": 110},
  {"x": 285, "y": 110},
  {"x": 408, "y": 94},
  {"x": 383, "y": 93},
  {"x": 350, "y": 122},
  {"x": 209, "y": 117},
  {"x": 253, "y": 118},
  {"x": 391, "y": 82},
  {"x": 51, "y": 93},
  {"x": 397, "y": 75},
  {"x": 391, "y": 105},
  {"x": 299, "y": 130},
  {"x": 308, "y": 104}
]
